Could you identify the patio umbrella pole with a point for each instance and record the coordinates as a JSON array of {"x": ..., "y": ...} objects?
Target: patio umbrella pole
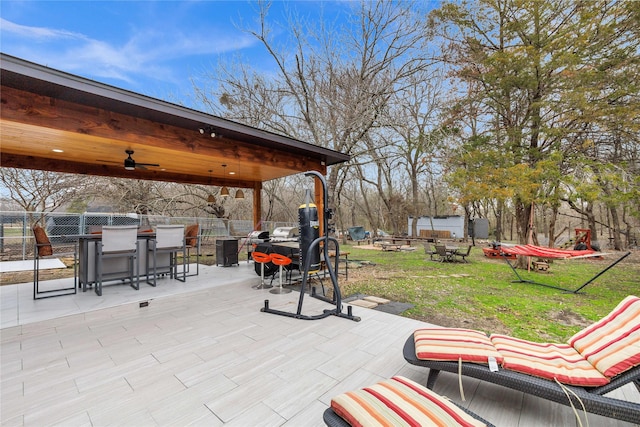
[{"x": 337, "y": 297}]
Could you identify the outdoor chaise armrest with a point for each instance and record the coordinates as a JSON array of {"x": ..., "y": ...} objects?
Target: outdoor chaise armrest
[{"x": 592, "y": 397}]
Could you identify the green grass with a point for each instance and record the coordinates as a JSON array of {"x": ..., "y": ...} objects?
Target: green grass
[{"x": 487, "y": 299}]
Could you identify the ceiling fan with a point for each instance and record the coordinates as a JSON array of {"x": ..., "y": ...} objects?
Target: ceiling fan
[{"x": 130, "y": 164}]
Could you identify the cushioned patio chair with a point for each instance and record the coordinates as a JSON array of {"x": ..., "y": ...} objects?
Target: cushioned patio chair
[
  {"x": 463, "y": 255},
  {"x": 169, "y": 240},
  {"x": 595, "y": 361},
  {"x": 428, "y": 250},
  {"x": 192, "y": 242},
  {"x": 44, "y": 250},
  {"x": 397, "y": 401},
  {"x": 118, "y": 242}
]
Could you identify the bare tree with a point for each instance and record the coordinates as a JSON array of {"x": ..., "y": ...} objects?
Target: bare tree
[
  {"x": 43, "y": 191},
  {"x": 331, "y": 84},
  {"x": 414, "y": 117}
]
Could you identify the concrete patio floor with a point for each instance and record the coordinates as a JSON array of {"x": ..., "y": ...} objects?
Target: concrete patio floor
[{"x": 202, "y": 353}]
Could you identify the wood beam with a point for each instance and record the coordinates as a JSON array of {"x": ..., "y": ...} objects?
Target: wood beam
[{"x": 257, "y": 206}]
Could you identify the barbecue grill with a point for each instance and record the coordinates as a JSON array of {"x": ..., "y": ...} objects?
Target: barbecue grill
[
  {"x": 285, "y": 234},
  {"x": 255, "y": 238}
]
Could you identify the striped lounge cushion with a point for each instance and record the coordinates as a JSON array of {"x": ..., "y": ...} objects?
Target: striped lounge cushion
[
  {"x": 399, "y": 402},
  {"x": 453, "y": 344},
  {"x": 550, "y": 361},
  {"x": 612, "y": 344}
]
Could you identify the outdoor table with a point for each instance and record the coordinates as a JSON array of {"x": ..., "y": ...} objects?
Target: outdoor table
[
  {"x": 292, "y": 250},
  {"x": 450, "y": 253},
  {"x": 453, "y": 250},
  {"x": 288, "y": 249}
]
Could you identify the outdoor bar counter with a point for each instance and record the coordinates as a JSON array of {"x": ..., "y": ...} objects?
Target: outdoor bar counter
[{"x": 113, "y": 268}]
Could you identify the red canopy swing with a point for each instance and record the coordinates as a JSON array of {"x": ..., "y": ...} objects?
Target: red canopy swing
[
  {"x": 539, "y": 251},
  {"x": 542, "y": 252}
]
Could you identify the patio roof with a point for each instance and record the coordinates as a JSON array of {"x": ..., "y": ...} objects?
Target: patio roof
[
  {"x": 202, "y": 353},
  {"x": 55, "y": 121}
]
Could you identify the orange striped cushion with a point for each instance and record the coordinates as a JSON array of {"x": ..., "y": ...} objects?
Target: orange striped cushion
[
  {"x": 397, "y": 402},
  {"x": 550, "y": 361},
  {"x": 612, "y": 344},
  {"x": 452, "y": 344}
]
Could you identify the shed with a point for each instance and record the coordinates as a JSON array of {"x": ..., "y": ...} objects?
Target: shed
[{"x": 442, "y": 226}]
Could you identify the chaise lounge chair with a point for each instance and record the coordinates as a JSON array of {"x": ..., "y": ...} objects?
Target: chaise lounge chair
[
  {"x": 397, "y": 401},
  {"x": 596, "y": 360}
]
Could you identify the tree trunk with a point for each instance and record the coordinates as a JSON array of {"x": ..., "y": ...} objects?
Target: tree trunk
[
  {"x": 523, "y": 211},
  {"x": 523, "y": 218},
  {"x": 617, "y": 241},
  {"x": 591, "y": 220},
  {"x": 414, "y": 226},
  {"x": 553, "y": 218},
  {"x": 499, "y": 220}
]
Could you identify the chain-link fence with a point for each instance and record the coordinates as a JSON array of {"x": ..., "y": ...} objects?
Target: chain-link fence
[{"x": 16, "y": 236}]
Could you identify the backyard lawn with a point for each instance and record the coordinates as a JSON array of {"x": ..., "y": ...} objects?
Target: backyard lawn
[{"x": 480, "y": 294}]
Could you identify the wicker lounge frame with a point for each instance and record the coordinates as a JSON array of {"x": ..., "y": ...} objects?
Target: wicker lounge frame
[
  {"x": 332, "y": 419},
  {"x": 592, "y": 397}
]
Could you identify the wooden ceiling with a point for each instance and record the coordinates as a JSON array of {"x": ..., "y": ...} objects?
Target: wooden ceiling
[{"x": 50, "y": 120}]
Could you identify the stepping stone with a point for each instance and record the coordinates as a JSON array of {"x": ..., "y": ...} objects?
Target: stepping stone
[
  {"x": 377, "y": 300},
  {"x": 364, "y": 303},
  {"x": 394, "y": 307}
]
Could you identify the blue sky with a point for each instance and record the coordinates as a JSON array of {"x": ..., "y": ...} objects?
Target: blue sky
[{"x": 151, "y": 47}]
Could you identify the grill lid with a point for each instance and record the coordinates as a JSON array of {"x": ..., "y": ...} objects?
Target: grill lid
[
  {"x": 259, "y": 234},
  {"x": 284, "y": 234}
]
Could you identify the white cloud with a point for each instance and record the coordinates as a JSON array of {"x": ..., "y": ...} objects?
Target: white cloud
[
  {"x": 149, "y": 53},
  {"x": 38, "y": 33}
]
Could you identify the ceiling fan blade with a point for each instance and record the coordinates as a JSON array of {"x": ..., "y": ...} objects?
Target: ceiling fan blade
[{"x": 148, "y": 164}]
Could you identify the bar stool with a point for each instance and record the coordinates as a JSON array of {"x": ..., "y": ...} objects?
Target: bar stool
[
  {"x": 281, "y": 261},
  {"x": 262, "y": 258}
]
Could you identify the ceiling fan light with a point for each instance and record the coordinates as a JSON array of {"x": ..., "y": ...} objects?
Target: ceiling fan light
[
  {"x": 239, "y": 194},
  {"x": 224, "y": 192},
  {"x": 129, "y": 163}
]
